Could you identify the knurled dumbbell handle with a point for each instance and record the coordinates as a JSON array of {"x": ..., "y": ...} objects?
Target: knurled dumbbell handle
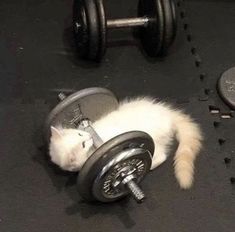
[
  {"x": 86, "y": 125},
  {"x": 127, "y": 22},
  {"x": 124, "y": 23}
]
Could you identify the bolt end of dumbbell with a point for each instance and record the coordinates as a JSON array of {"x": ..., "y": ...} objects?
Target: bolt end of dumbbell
[
  {"x": 140, "y": 201},
  {"x": 141, "y": 198},
  {"x": 135, "y": 191}
]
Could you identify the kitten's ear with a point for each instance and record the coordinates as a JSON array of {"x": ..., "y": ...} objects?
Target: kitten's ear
[{"x": 55, "y": 133}]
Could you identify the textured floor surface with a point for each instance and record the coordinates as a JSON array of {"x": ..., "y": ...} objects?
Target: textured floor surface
[{"x": 37, "y": 60}]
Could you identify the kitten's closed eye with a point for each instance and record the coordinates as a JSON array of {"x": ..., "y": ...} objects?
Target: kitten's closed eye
[{"x": 83, "y": 144}]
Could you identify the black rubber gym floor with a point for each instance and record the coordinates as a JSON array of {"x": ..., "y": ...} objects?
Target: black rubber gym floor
[{"x": 37, "y": 60}]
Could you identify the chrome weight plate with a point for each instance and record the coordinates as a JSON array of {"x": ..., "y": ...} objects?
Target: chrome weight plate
[
  {"x": 108, "y": 155},
  {"x": 108, "y": 186},
  {"x": 91, "y": 103}
]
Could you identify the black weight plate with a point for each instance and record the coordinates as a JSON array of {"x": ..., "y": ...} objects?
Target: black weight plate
[
  {"x": 93, "y": 25},
  {"x": 152, "y": 35},
  {"x": 102, "y": 28},
  {"x": 226, "y": 87},
  {"x": 90, "y": 103},
  {"x": 169, "y": 24},
  {"x": 104, "y": 154},
  {"x": 80, "y": 28},
  {"x": 174, "y": 16},
  {"x": 87, "y": 34}
]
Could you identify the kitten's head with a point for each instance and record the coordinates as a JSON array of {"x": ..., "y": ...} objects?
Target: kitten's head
[{"x": 70, "y": 148}]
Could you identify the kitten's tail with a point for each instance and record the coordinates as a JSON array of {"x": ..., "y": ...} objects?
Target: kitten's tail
[{"x": 190, "y": 138}]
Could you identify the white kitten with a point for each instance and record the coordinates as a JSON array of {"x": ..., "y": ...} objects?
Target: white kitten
[{"x": 70, "y": 148}]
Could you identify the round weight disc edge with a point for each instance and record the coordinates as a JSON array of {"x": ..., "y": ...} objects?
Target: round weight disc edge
[
  {"x": 80, "y": 28},
  {"x": 226, "y": 87},
  {"x": 152, "y": 35},
  {"x": 90, "y": 170},
  {"x": 93, "y": 31},
  {"x": 102, "y": 28},
  {"x": 73, "y": 98},
  {"x": 141, "y": 156},
  {"x": 168, "y": 33}
]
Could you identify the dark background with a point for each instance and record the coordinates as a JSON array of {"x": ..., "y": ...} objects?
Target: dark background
[{"x": 37, "y": 60}]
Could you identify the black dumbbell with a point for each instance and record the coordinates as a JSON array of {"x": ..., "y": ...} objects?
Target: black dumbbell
[
  {"x": 156, "y": 21},
  {"x": 117, "y": 166}
]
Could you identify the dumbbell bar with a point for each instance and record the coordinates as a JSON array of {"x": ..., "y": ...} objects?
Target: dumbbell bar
[
  {"x": 122, "y": 23},
  {"x": 156, "y": 22},
  {"x": 131, "y": 22}
]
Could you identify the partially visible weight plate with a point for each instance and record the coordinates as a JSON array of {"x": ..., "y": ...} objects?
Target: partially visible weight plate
[
  {"x": 226, "y": 87},
  {"x": 152, "y": 35},
  {"x": 91, "y": 103},
  {"x": 94, "y": 172},
  {"x": 160, "y": 32},
  {"x": 86, "y": 28}
]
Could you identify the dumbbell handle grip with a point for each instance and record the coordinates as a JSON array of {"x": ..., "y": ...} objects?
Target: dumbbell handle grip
[
  {"x": 127, "y": 22},
  {"x": 86, "y": 125}
]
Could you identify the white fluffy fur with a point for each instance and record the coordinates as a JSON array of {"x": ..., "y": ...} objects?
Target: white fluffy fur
[{"x": 70, "y": 148}]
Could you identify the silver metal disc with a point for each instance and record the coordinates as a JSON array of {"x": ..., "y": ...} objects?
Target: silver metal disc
[
  {"x": 110, "y": 152},
  {"x": 91, "y": 103},
  {"x": 108, "y": 184}
]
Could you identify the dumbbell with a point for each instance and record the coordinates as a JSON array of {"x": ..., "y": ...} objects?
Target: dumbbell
[
  {"x": 115, "y": 167},
  {"x": 156, "y": 22}
]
